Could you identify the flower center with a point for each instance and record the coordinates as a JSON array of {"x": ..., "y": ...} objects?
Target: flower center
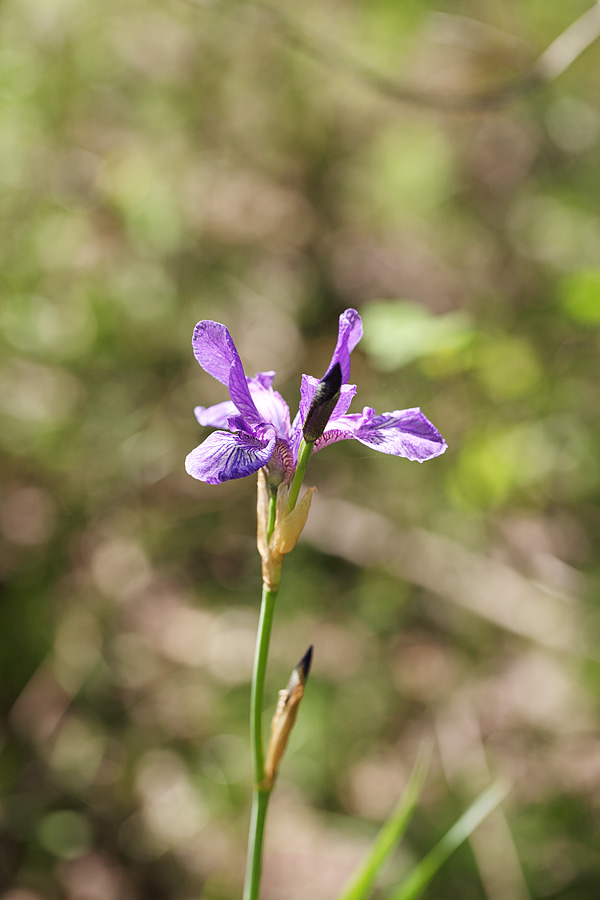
[{"x": 281, "y": 465}]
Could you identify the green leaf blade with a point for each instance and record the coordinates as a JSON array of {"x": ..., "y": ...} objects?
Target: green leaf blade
[
  {"x": 391, "y": 832},
  {"x": 418, "y": 879}
]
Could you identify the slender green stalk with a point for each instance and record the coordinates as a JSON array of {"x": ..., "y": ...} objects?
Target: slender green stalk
[
  {"x": 267, "y": 609},
  {"x": 304, "y": 454},
  {"x": 261, "y": 795},
  {"x": 260, "y": 798},
  {"x": 272, "y": 513},
  {"x": 260, "y": 802}
]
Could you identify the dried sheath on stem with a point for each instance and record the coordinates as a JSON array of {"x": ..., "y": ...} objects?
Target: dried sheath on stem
[{"x": 285, "y": 717}]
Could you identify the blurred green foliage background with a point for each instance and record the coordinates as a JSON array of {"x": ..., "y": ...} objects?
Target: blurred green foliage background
[{"x": 163, "y": 162}]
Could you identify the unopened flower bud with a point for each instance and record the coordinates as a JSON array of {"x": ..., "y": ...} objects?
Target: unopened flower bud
[
  {"x": 288, "y": 527},
  {"x": 289, "y": 523},
  {"x": 326, "y": 396},
  {"x": 285, "y": 716}
]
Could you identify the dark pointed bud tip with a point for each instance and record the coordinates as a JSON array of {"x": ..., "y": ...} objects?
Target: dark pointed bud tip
[
  {"x": 323, "y": 404},
  {"x": 303, "y": 667},
  {"x": 330, "y": 384},
  {"x": 284, "y": 718}
]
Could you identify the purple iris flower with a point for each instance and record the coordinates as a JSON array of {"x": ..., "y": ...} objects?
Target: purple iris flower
[{"x": 259, "y": 431}]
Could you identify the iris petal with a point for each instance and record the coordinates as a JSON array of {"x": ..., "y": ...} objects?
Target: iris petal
[
  {"x": 223, "y": 456},
  {"x": 215, "y": 416},
  {"x": 258, "y": 417},
  {"x": 404, "y": 432},
  {"x": 349, "y": 334},
  {"x": 271, "y": 406},
  {"x": 215, "y": 351}
]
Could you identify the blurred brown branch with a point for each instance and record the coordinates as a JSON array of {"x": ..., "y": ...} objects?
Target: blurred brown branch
[
  {"x": 557, "y": 57},
  {"x": 484, "y": 586}
]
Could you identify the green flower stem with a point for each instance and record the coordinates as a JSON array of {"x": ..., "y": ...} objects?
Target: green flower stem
[
  {"x": 260, "y": 797},
  {"x": 304, "y": 454},
  {"x": 260, "y": 802},
  {"x": 267, "y": 609},
  {"x": 272, "y": 512}
]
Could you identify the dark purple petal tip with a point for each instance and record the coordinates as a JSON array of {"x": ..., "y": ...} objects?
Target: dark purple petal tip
[{"x": 323, "y": 404}]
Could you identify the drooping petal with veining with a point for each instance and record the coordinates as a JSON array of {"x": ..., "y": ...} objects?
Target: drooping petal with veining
[
  {"x": 215, "y": 351},
  {"x": 404, "y": 432},
  {"x": 223, "y": 456}
]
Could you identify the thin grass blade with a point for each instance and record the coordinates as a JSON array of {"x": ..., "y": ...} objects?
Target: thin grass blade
[
  {"x": 421, "y": 875},
  {"x": 391, "y": 832}
]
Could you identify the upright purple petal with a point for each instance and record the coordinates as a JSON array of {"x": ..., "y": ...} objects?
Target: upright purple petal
[
  {"x": 270, "y": 405},
  {"x": 404, "y": 432},
  {"x": 223, "y": 456},
  {"x": 264, "y": 378},
  {"x": 349, "y": 334},
  {"x": 215, "y": 351},
  {"x": 215, "y": 416}
]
